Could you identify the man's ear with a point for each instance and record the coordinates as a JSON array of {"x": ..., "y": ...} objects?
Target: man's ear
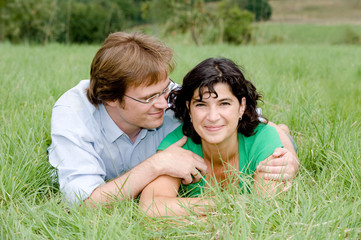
[{"x": 114, "y": 103}]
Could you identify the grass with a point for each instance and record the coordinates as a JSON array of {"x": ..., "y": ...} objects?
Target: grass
[
  {"x": 275, "y": 33},
  {"x": 315, "y": 89},
  {"x": 321, "y": 11}
]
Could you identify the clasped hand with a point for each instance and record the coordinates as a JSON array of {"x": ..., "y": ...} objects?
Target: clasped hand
[{"x": 282, "y": 165}]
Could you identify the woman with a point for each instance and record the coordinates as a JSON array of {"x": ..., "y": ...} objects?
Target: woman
[{"x": 217, "y": 106}]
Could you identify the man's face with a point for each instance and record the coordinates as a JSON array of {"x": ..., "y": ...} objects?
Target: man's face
[{"x": 131, "y": 114}]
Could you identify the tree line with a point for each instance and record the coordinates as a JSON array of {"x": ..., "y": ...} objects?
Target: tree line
[{"x": 90, "y": 21}]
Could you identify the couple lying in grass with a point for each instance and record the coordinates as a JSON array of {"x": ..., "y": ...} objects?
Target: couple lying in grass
[{"x": 217, "y": 107}]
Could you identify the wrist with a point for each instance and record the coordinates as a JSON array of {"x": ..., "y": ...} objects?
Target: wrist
[{"x": 155, "y": 166}]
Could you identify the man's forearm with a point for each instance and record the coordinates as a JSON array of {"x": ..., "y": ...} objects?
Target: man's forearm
[
  {"x": 126, "y": 186},
  {"x": 284, "y": 139}
]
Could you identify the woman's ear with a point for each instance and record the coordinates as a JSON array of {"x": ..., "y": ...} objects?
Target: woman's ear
[
  {"x": 242, "y": 106},
  {"x": 188, "y": 108}
]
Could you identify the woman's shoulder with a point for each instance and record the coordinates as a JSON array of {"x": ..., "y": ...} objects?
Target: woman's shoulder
[
  {"x": 171, "y": 138},
  {"x": 265, "y": 135},
  {"x": 176, "y": 135}
]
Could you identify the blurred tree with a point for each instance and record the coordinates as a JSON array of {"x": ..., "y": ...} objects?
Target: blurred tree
[
  {"x": 29, "y": 20},
  {"x": 181, "y": 15},
  {"x": 235, "y": 23},
  {"x": 260, "y": 8},
  {"x": 212, "y": 22},
  {"x": 66, "y": 20},
  {"x": 92, "y": 20}
]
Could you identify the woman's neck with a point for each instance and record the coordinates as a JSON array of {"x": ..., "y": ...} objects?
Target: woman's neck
[{"x": 218, "y": 154}]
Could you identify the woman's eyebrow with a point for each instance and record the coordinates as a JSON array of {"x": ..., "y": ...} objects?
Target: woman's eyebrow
[
  {"x": 197, "y": 100},
  {"x": 225, "y": 99}
]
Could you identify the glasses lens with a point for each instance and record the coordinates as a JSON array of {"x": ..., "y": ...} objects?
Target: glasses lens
[
  {"x": 165, "y": 93},
  {"x": 152, "y": 98}
]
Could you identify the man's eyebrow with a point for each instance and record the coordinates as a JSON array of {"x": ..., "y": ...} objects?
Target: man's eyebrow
[
  {"x": 148, "y": 96},
  {"x": 152, "y": 94}
]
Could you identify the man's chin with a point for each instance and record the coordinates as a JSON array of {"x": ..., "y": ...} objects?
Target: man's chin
[{"x": 154, "y": 124}]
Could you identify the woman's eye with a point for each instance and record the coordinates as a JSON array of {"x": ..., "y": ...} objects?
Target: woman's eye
[
  {"x": 225, "y": 104},
  {"x": 200, "y": 105}
]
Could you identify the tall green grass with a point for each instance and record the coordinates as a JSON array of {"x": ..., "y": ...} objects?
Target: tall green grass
[{"x": 315, "y": 89}]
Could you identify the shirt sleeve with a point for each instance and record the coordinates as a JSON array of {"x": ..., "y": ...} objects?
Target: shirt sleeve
[
  {"x": 80, "y": 169},
  {"x": 171, "y": 138},
  {"x": 266, "y": 140}
]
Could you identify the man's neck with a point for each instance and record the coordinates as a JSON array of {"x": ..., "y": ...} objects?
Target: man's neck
[{"x": 130, "y": 130}]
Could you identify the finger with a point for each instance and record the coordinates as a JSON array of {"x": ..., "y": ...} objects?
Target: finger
[
  {"x": 180, "y": 142},
  {"x": 272, "y": 169},
  {"x": 187, "y": 179},
  {"x": 279, "y": 152},
  {"x": 201, "y": 166},
  {"x": 277, "y": 177},
  {"x": 196, "y": 176},
  {"x": 197, "y": 158},
  {"x": 283, "y": 161}
]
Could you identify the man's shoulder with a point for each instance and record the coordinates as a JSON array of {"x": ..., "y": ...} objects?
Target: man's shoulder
[
  {"x": 75, "y": 101},
  {"x": 73, "y": 111},
  {"x": 75, "y": 95}
]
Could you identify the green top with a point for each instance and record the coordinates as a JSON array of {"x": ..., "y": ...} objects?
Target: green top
[{"x": 252, "y": 150}]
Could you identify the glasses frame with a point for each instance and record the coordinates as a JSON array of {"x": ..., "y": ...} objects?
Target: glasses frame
[{"x": 151, "y": 99}]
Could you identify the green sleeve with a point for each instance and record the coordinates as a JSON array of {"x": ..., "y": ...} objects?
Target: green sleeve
[
  {"x": 266, "y": 140},
  {"x": 171, "y": 138}
]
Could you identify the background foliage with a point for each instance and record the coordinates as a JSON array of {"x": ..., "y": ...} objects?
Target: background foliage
[{"x": 90, "y": 21}]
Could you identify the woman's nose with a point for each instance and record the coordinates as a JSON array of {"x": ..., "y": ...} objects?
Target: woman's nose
[{"x": 213, "y": 114}]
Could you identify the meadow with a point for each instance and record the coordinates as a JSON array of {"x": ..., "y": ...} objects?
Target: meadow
[{"x": 314, "y": 88}]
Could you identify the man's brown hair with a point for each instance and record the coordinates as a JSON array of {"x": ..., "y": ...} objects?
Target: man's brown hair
[{"x": 125, "y": 60}]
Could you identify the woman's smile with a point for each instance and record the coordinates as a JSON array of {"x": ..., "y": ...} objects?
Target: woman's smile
[{"x": 214, "y": 128}]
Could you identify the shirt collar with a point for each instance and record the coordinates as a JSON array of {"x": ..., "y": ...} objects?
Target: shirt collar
[{"x": 111, "y": 130}]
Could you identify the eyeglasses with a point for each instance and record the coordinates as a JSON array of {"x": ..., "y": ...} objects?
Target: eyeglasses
[{"x": 152, "y": 99}]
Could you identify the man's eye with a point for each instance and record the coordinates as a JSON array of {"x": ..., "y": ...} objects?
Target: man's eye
[{"x": 151, "y": 98}]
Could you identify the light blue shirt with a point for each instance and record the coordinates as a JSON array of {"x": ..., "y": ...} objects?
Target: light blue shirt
[{"x": 88, "y": 148}]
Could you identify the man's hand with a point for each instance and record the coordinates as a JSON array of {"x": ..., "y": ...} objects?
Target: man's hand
[
  {"x": 282, "y": 165},
  {"x": 180, "y": 163}
]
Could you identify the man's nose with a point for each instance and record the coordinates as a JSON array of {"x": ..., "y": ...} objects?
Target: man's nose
[{"x": 161, "y": 102}]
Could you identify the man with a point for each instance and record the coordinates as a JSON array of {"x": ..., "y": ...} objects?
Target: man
[{"x": 105, "y": 131}]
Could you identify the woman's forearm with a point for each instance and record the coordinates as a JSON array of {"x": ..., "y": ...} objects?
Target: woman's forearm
[{"x": 175, "y": 206}]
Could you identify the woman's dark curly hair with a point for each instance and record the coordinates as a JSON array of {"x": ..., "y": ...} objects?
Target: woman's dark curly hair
[{"x": 205, "y": 75}]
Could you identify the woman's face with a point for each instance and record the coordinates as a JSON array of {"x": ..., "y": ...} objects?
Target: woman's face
[{"x": 216, "y": 119}]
